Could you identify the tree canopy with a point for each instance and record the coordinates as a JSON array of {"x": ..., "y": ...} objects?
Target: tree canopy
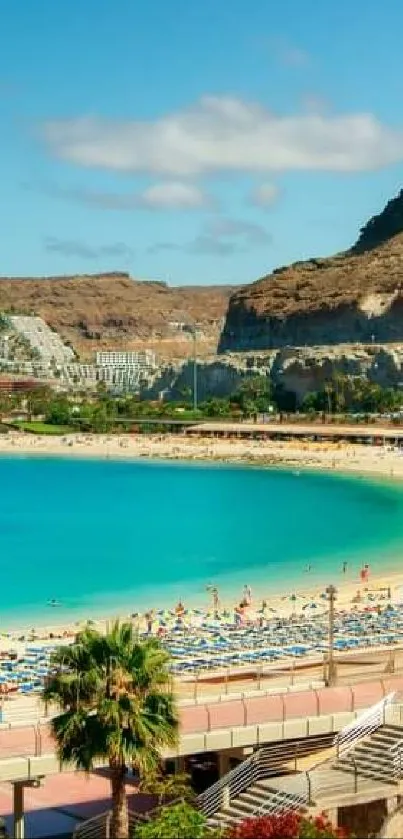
[{"x": 115, "y": 706}]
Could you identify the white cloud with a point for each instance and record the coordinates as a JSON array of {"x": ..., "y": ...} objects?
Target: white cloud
[
  {"x": 315, "y": 103},
  {"x": 265, "y": 195},
  {"x": 82, "y": 250},
  {"x": 173, "y": 195},
  {"x": 229, "y": 228},
  {"x": 168, "y": 195},
  {"x": 289, "y": 54},
  {"x": 220, "y": 236},
  {"x": 222, "y": 134}
]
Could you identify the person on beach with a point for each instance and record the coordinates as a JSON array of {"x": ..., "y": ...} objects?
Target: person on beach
[
  {"x": 214, "y": 591},
  {"x": 247, "y": 595},
  {"x": 179, "y": 609},
  {"x": 344, "y": 567},
  {"x": 238, "y": 614},
  {"x": 180, "y": 613},
  {"x": 215, "y": 602}
]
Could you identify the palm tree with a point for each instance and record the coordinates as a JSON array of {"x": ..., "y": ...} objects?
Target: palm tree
[{"x": 115, "y": 706}]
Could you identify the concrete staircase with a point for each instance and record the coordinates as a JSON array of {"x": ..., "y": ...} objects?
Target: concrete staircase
[
  {"x": 366, "y": 757},
  {"x": 375, "y": 756},
  {"x": 261, "y": 796}
]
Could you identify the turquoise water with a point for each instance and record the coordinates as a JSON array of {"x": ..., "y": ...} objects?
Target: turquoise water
[{"x": 105, "y": 536}]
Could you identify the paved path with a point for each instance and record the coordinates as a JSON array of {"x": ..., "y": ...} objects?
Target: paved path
[{"x": 62, "y": 802}]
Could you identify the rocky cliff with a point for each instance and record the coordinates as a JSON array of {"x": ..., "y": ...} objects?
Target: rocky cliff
[
  {"x": 353, "y": 297},
  {"x": 298, "y": 370},
  {"x": 115, "y": 311}
]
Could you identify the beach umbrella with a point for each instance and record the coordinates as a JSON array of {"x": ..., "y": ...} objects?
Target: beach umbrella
[{"x": 293, "y": 599}]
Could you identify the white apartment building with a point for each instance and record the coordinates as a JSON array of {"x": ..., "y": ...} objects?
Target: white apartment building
[
  {"x": 48, "y": 344},
  {"x": 136, "y": 360},
  {"x": 121, "y": 371}
]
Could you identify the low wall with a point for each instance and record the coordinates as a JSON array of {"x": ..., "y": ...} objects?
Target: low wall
[
  {"x": 238, "y": 723},
  {"x": 284, "y": 707}
]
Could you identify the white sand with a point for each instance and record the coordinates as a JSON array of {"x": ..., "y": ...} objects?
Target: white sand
[{"x": 344, "y": 457}]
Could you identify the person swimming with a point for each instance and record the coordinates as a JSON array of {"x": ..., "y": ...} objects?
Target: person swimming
[{"x": 53, "y": 603}]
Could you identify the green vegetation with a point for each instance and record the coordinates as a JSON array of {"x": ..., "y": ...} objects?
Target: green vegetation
[
  {"x": 115, "y": 705},
  {"x": 178, "y": 821},
  {"x": 353, "y": 394},
  {"x": 181, "y": 821},
  {"x": 42, "y": 428},
  {"x": 348, "y": 397}
]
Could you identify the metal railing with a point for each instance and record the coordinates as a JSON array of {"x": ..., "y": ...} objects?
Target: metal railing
[
  {"x": 262, "y": 764},
  {"x": 364, "y": 725},
  {"x": 99, "y": 827},
  {"x": 279, "y": 800},
  {"x": 232, "y": 784},
  {"x": 308, "y": 784},
  {"x": 243, "y": 681}
]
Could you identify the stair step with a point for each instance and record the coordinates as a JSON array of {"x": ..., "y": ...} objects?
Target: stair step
[
  {"x": 246, "y": 806},
  {"x": 368, "y": 773},
  {"x": 369, "y": 755},
  {"x": 254, "y": 800},
  {"x": 368, "y": 749},
  {"x": 385, "y": 738},
  {"x": 366, "y": 755},
  {"x": 220, "y": 819},
  {"x": 237, "y": 814}
]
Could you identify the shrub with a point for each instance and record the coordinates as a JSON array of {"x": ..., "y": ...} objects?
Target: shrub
[
  {"x": 177, "y": 821},
  {"x": 288, "y": 825}
]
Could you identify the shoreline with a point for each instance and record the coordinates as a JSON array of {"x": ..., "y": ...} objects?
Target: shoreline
[
  {"x": 338, "y": 458},
  {"x": 344, "y": 460},
  {"x": 57, "y": 634}
]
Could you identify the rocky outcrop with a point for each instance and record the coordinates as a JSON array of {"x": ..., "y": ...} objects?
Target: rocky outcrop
[
  {"x": 115, "y": 311},
  {"x": 382, "y": 227},
  {"x": 298, "y": 370},
  {"x": 353, "y": 297}
]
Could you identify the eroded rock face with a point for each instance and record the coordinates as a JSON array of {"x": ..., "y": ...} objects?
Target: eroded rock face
[
  {"x": 353, "y": 297},
  {"x": 299, "y": 370}
]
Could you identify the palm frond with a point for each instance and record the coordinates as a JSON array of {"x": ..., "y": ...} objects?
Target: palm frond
[{"x": 112, "y": 693}]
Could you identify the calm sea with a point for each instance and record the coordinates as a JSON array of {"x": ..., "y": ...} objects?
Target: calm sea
[{"x": 103, "y": 536}]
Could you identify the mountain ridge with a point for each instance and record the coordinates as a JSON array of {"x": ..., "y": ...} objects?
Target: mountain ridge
[
  {"x": 113, "y": 310},
  {"x": 352, "y": 297}
]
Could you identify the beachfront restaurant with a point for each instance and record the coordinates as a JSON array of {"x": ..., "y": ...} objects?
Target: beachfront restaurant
[{"x": 363, "y": 434}]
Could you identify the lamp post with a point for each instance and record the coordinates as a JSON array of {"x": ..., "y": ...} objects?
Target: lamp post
[
  {"x": 194, "y": 333},
  {"x": 331, "y": 675}
]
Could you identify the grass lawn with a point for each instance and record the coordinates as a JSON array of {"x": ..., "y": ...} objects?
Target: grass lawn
[{"x": 43, "y": 428}]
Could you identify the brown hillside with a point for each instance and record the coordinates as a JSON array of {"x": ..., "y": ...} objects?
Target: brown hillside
[
  {"x": 355, "y": 296},
  {"x": 113, "y": 310}
]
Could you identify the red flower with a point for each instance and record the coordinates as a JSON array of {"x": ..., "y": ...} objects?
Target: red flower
[{"x": 288, "y": 825}]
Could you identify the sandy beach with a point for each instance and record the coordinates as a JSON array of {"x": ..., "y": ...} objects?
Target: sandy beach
[{"x": 369, "y": 460}]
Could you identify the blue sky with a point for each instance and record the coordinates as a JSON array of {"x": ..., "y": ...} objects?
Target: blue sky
[{"x": 194, "y": 142}]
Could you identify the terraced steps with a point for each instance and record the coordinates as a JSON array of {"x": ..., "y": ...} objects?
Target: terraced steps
[
  {"x": 259, "y": 797},
  {"x": 375, "y": 756},
  {"x": 370, "y": 756}
]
